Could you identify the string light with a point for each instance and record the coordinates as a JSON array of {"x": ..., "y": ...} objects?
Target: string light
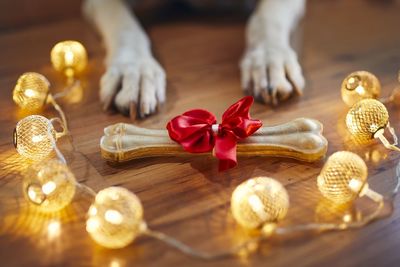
[
  {"x": 69, "y": 58},
  {"x": 367, "y": 120},
  {"x": 344, "y": 178},
  {"x": 49, "y": 185},
  {"x": 258, "y": 202},
  {"x": 115, "y": 218},
  {"x": 34, "y": 137},
  {"x": 32, "y": 92},
  {"x": 360, "y": 85}
]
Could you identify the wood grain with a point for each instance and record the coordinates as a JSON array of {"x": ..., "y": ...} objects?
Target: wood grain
[{"x": 188, "y": 198}]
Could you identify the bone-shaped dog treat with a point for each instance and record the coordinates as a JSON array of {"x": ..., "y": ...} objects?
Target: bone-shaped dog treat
[{"x": 300, "y": 139}]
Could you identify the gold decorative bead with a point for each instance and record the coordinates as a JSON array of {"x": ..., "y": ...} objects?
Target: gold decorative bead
[
  {"x": 259, "y": 201},
  {"x": 360, "y": 85},
  {"x": 115, "y": 218},
  {"x": 49, "y": 185},
  {"x": 34, "y": 137},
  {"x": 69, "y": 57},
  {"x": 343, "y": 177},
  {"x": 31, "y": 91},
  {"x": 366, "y": 117}
]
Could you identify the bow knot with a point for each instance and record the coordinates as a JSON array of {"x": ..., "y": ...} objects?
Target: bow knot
[{"x": 197, "y": 131}]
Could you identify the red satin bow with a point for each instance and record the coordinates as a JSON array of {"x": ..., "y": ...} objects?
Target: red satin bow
[{"x": 194, "y": 131}]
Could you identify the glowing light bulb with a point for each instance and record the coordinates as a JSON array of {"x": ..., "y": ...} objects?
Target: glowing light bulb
[
  {"x": 259, "y": 201},
  {"x": 49, "y": 185},
  {"x": 367, "y": 119},
  {"x": 34, "y": 137},
  {"x": 360, "y": 85},
  {"x": 69, "y": 57},
  {"x": 115, "y": 218},
  {"x": 31, "y": 91},
  {"x": 344, "y": 178}
]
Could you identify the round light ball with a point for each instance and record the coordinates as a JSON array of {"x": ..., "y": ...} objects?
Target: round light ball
[
  {"x": 69, "y": 57},
  {"x": 115, "y": 218},
  {"x": 343, "y": 177},
  {"x": 49, "y": 185},
  {"x": 259, "y": 201},
  {"x": 31, "y": 91},
  {"x": 360, "y": 85},
  {"x": 34, "y": 136},
  {"x": 365, "y": 118}
]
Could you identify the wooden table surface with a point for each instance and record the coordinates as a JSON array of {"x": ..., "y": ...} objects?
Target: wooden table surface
[{"x": 188, "y": 198}]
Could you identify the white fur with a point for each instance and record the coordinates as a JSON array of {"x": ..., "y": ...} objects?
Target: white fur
[
  {"x": 269, "y": 67},
  {"x": 130, "y": 61}
]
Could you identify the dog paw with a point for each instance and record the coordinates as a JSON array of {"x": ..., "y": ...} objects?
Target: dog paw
[
  {"x": 134, "y": 85},
  {"x": 271, "y": 74}
]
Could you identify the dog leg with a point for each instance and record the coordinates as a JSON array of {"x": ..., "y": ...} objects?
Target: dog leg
[
  {"x": 134, "y": 80},
  {"x": 270, "y": 69}
]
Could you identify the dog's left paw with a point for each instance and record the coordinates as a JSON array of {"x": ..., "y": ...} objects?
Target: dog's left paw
[{"x": 271, "y": 73}]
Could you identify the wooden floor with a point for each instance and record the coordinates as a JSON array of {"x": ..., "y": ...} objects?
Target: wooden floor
[{"x": 188, "y": 198}]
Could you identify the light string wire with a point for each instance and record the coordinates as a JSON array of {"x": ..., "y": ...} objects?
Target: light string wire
[
  {"x": 60, "y": 111},
  {"x": 68, "y": 89},
  {"x": 278, "y": 231}
]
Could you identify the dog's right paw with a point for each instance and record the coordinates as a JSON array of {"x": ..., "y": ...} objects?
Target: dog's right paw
[
  {"x": 271, "y": 74},
  {"x": 134, "y": 85}
]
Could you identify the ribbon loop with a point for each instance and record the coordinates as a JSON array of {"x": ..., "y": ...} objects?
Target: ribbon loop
[{"x": 197, "y": 131}]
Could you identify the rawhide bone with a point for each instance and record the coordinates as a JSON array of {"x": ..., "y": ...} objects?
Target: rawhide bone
[{"x": 300, "y": 139}]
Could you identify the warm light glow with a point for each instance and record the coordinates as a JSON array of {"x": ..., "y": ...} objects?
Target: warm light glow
[
  {"x": 115, "y": 263},
  {"x": 53, "y": 229},
  {"x": 50, "y": 185},
  {"x": 31, "y": 91},
  {"x": 115, "y": 218},
  {"x": 347, "y": 218},
  {"x": 259, "y": 201},
  {"x": 257, "y": 207},
  {"x": 37, "y": 138},
  {"x": 35, "y": 194},
  {"x": 34, "y": 136},
  {"x": 92, "y": 224},
  {"x": 360, "y": 90},
  {"x": 69, "y": 57},
  {"x": 92, "y": 211},
  {"x": 355, "y": 185},
  {"x": 360, "y": 85},
  {"x": 342, "y": 177}
]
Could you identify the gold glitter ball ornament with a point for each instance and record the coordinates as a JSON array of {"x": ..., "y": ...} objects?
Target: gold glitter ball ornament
[
  {"x": 365, "y": 118},
  {"x": 115, "y": 218},
  {"x": 69, "y": 57},
  {"x": 360, "y": 85},
  {"x": 259, "y": 201},
  {"x": 31, "y": 91},
  {"x": 49, "y": 185},
  {"x": 34, "y": 137},
  {"x": 342, "y": 177}
]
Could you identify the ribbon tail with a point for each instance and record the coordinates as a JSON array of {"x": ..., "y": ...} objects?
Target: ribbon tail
[{"x": 225, "y": 151}]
